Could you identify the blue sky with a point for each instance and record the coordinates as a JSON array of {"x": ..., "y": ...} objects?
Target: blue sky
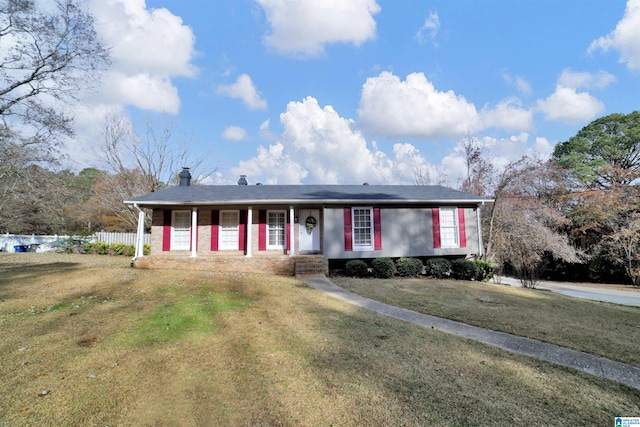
[{"x": 352, "y": 91}]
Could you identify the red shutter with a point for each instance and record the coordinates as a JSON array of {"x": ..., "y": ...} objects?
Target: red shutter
[
  {"x": 348, "y": 232},
  {"x": 242, "y": 237},
  {"x": 215, "y": 230},
  {"x": 377, "y": 230},
  {"x": 461, "y": 228},
  {"x": 435, "y": 219},
  {"x": 166, "y": 231},
  {"x": 287, "y": 231},
  {"x": 262, "y": 230}
]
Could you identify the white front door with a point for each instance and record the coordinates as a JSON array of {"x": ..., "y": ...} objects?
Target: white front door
[
  {"x": 181, "y": 231},
  {"x": 309, "y": 231}
]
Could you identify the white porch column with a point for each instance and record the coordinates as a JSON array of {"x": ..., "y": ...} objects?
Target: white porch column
[
  {"x": 194, "y": 232},
  {"x": 480, "y": 248},
  {"x": 292, "y": 236},
  {"x": 249, "y": 227},
  {"x": 140, "y": 235}
]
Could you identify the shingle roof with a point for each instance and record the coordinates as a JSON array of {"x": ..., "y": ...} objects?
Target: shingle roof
[{"x": 327, "y": 194}]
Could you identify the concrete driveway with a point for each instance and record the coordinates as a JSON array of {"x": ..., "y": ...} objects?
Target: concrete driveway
[{"x": 605, "y": 294}]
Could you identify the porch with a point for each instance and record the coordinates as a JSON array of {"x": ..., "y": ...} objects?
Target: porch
[{"x": 279, "y": 264}]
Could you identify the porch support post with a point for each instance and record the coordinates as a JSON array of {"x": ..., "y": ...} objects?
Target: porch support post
[
  {"x": 140, "y": 234},
  {"x": 480, "y": 246},
  {"x": 292, "y": 237},
  {"x": 194, "y": 232},
  {"x": 249, "y": 230}
]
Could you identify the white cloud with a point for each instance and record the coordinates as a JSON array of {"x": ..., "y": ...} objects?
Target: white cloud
[
  {"x": 568, "y": 105},
  {"x": 508, "y": 115},
  {"x": 142, "y": 90},
  {"x": 624, "y": 38},
  {"x": 583, "y": 79},
  {"x": 429, "y": 29},
  {"x": 234, "y": 133},
  {"x": 245, "y": 90},
  {"x": 319, "y": 146},
  {"x": 264, "y": 131},
  {"x": 393, "y": 108},
  {"x": 148, "y": 48},
  {"x": 413, "y": 108},
  {"x": 498, "y": 151},
  {"x": 522, "y": 85},
  {"x": 304, "y": 27},
  {"x": 272, "y": 163}
]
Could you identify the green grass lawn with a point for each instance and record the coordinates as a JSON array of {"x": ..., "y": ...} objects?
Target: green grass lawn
[
  {"x": 604, "y": 329},
  {"x": 117, "y": 346}
]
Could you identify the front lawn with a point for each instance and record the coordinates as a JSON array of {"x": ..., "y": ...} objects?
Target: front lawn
[
  {"x": 87, "y": 340},
  {"x": 604, "y": 329}
]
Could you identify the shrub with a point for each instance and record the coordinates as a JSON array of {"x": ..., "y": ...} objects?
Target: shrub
[
  {"x": 485, "y": 270},
  {"x": 438, "y": 268},
  {"x": 356, "y": 268},
  {"x": 146, "y": 249},
  {"x": 409, "y": 267},
  {"x": 383, "y": 268},
  {"x": 463, "y": 269}
]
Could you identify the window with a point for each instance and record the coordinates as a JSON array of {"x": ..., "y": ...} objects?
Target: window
[
  {"x": 362, "y": 229},
  {"x": 276, "y": 222},
  {"x": 181, "y": 230},
  {"x": 449, "y": 228},
  {"x": 228, "y": 234}
]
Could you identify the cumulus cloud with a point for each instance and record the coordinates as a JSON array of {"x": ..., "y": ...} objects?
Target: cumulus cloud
[
  {"x": 414, "y": 108},
  {"x": 429, "y": 29},
  {"x": 569, "y": 105},
  {"x": 142, "y": 90},
  {"x": 234, "y": 133},
  {"x": 244, "y": 90},
  {"x": 317, "y": 145},
  {"x": 303, "y": 28},
  {"x": 508, "y": 115},
  {"x": 148, "y": 48},
  {"x": 624, "y": 38}
]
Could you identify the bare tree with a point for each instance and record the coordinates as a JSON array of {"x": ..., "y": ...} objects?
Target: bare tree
[
  {"x": 523, "y": 227},
  {"x": 50, "y": 57},
  {"x": 46, "y": 60},
  {"x": 480, "y": 173},
  {"x": 138, "y": 165}
]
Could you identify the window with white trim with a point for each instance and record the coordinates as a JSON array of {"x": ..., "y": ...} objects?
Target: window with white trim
[
  {"x": 362, "y": 225},
  {"x": 449, "y": 228},
  {"x": 228, "y": 234},
  {"x": 276, "y": 223},
  {"x": 181, "y": 230}
]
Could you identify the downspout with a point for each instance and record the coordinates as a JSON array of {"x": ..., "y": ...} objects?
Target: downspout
[{"x": 139, "y": 235}]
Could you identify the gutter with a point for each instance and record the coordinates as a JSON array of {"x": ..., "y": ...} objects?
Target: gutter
[{"x": 312, "y": 201}]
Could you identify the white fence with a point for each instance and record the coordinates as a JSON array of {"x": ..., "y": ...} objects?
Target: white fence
[{"x": 8, "y": 241}]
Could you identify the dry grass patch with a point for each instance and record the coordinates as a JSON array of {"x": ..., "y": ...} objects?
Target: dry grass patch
[
  {"x": 255, "y": 350},
  {"x": 604, "y": 329}
]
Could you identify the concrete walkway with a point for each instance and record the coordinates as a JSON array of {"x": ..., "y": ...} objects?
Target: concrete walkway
[{"x": 595, "y": 365}]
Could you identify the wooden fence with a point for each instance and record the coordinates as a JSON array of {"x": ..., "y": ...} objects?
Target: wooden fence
[{"x": 8, "y": 241}]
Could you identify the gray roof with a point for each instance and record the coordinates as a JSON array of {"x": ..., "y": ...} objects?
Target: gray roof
[{"x": 195, "y": 195}]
